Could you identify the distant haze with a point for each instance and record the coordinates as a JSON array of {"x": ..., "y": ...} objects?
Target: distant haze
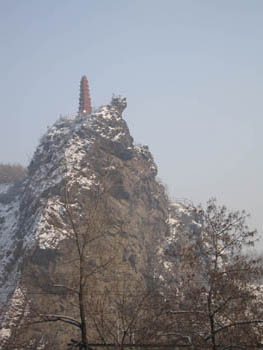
[{"x": 191, "y": 72}]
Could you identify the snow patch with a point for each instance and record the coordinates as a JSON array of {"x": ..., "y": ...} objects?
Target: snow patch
[
  {"x": 4, "y": 188},
  {"x": 51, "y": 226},
  {"x": 9, "y": 216},
  {"x": 18, "y": 308}
]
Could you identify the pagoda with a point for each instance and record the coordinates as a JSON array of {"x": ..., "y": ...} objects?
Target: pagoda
[{"x": 84, "y": 97}]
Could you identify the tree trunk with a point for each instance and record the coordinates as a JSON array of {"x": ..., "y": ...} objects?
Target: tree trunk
[
  {"x": 212, "y": 329},
  {"x": 84, "y": 337}
]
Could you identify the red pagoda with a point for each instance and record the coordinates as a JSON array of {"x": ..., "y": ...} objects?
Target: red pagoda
[{"x": 84, "y": 97}]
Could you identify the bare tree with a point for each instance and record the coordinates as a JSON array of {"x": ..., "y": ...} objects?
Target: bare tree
[
  {"x": 218, "y": 299},
  {"x": 127, "y": 313},
  {"x": 89, "y": 224},
  {"x": 96, "y": 295},
  {"x": 88, "y": 251}
]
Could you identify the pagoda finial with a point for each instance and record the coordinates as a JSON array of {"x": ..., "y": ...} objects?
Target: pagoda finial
[{"x": 84, "y": 97}]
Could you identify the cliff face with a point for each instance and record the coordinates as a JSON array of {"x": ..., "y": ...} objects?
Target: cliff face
[{"x": 88, "y": 177}]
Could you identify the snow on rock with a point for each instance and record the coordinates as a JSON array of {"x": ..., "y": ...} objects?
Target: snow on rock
[
  {"x": 9, "y": 215},
  {"x": 184, "y": 226},
  {"x": 4, "y": 187},
  {"x": 182, "y": 216},
  {"x": 33, "y": 214},
  {"x": 143, "y": 151},
  {"x": 18, "y": 308},
  {"x": 63, "y": 155},
  {"x": 51, "y": 227}
]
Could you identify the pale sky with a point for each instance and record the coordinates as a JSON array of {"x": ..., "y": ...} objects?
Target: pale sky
[{"x": 191, "y": 71}]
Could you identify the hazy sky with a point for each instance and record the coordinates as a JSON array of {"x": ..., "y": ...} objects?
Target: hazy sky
[{"x": 191, "y": 71}]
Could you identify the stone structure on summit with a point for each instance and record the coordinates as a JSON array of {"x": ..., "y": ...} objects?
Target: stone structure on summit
[{"x": 84, "y": 97}]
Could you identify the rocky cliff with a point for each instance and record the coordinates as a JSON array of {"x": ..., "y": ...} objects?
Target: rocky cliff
[{"x": 87, "y": 181}]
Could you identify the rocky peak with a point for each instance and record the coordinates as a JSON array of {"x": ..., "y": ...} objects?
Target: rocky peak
[
  {"x": 119, "y": 103},
  {"x": 79, "y": 153}
]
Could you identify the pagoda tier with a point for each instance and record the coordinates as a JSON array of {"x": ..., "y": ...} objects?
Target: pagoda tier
[{"x": 84, "y": 97}]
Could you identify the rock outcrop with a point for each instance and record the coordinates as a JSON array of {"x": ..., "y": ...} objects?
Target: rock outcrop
[{"x": 90, "y": 165}]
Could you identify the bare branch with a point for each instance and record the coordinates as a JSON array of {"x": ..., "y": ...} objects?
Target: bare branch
[
  {"x": 234, "y": 324},
  {"x": 62, "y": 318}
]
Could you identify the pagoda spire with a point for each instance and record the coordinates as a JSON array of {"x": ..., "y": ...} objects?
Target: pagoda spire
[{"x": 84, "y": 97}]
